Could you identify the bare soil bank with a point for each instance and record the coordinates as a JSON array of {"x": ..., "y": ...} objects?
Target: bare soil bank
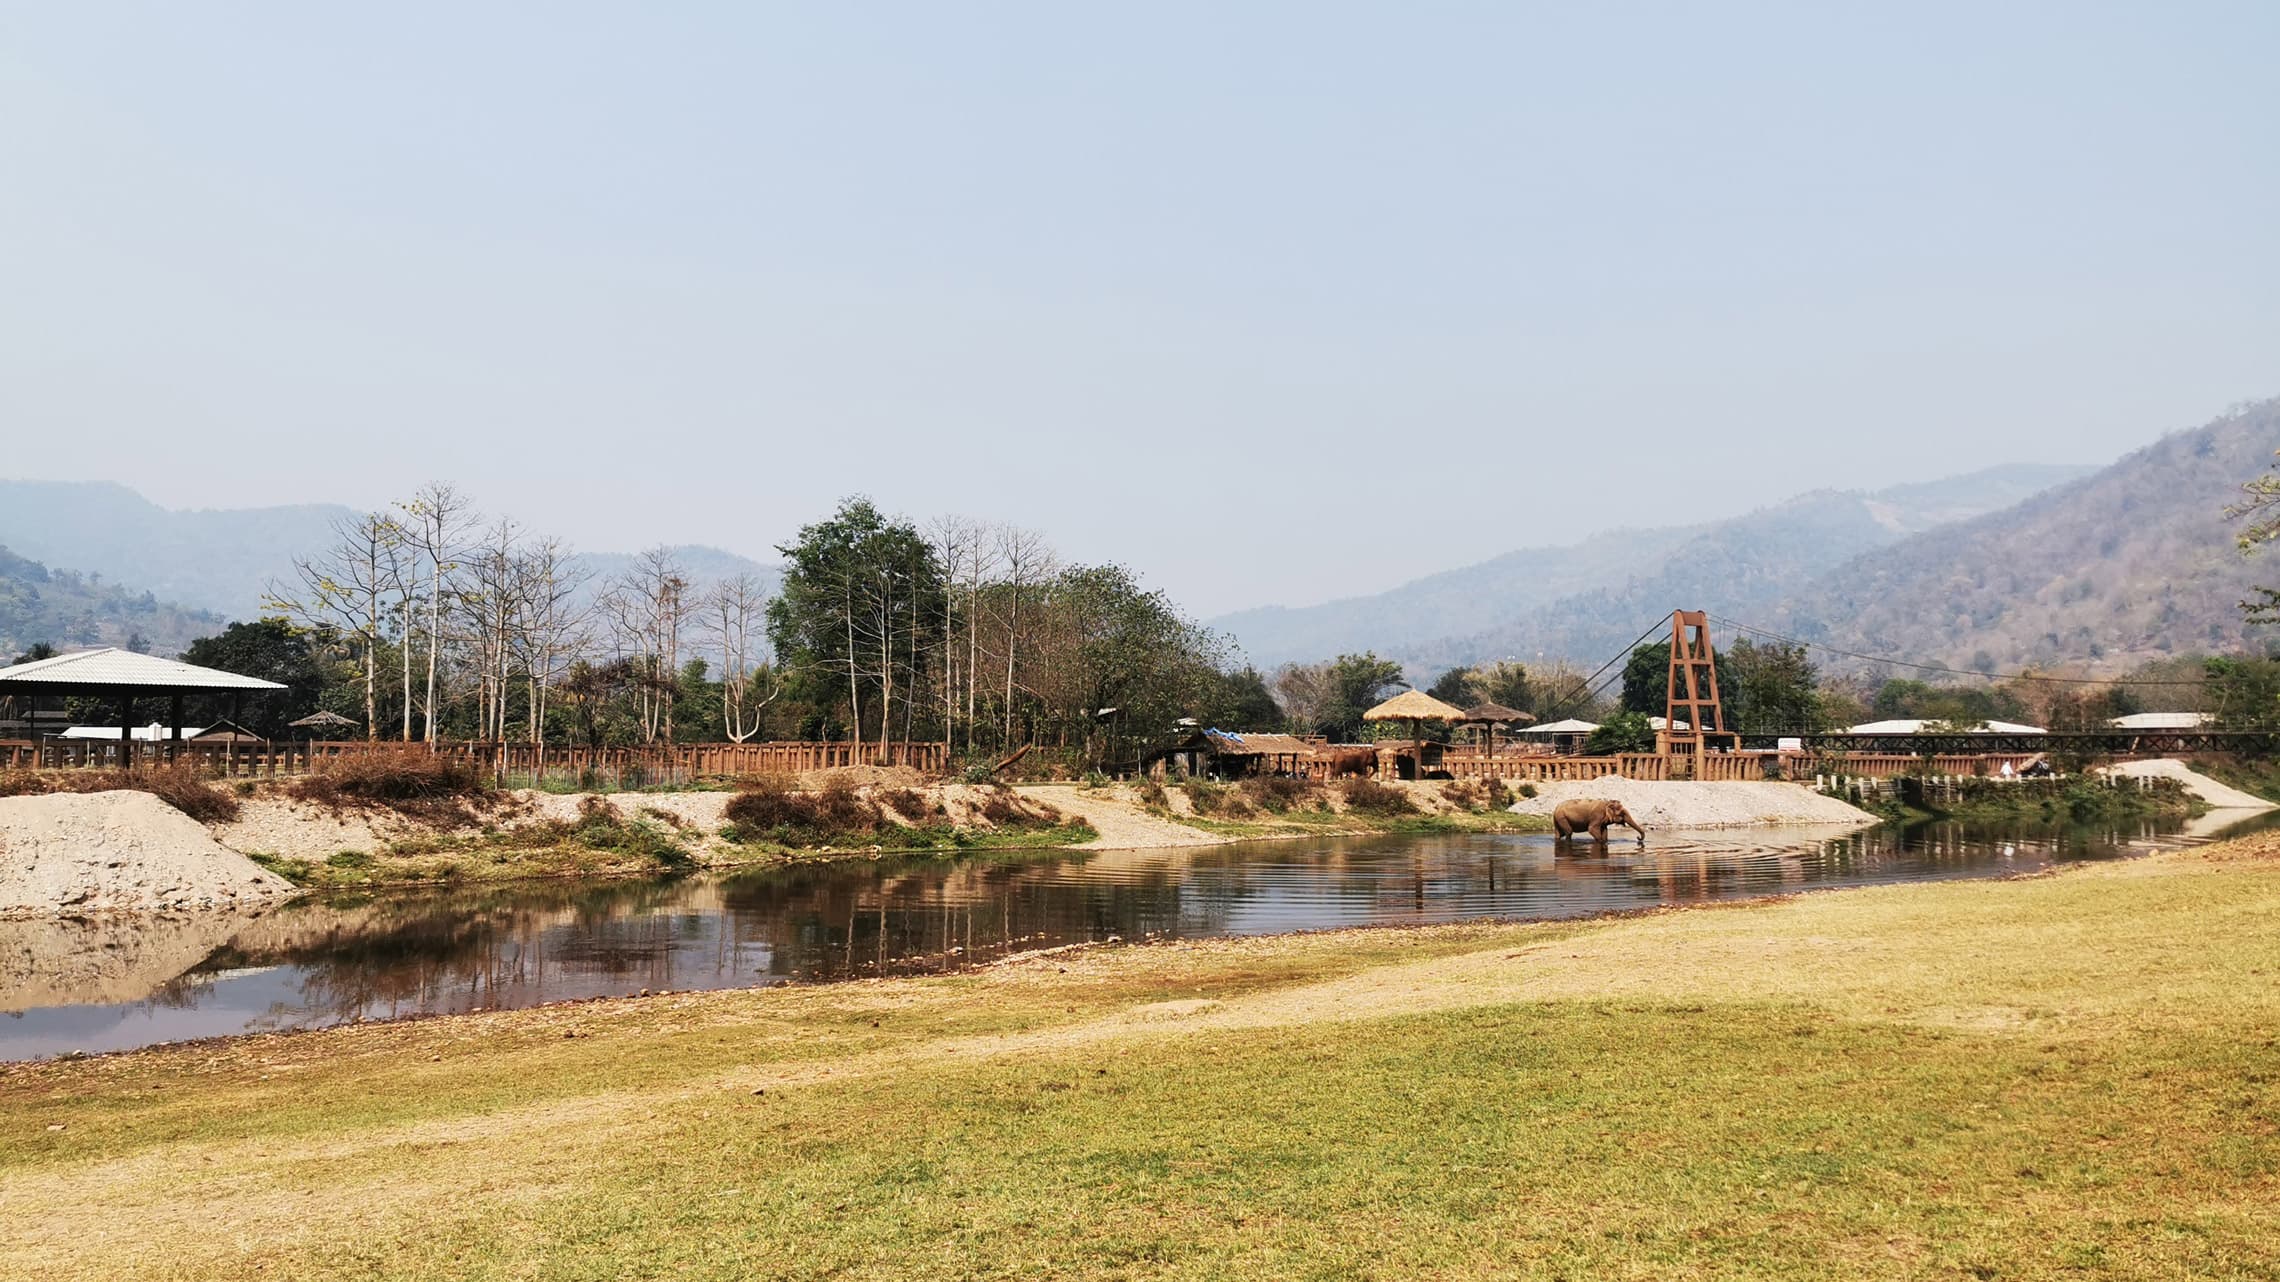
[
  {"x": 1701, "y": 805},
  {"x": 118, "y": 852}
]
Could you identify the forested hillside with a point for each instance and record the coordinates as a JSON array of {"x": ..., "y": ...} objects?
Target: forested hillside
[
  {"x": 2133, "y": 562},
  {"x": 70, "y": 610},
  {"x": 214, "y": 560},
  {"x": 1585, "y": 601}
]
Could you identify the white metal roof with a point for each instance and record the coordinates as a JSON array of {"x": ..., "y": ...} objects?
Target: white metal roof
[
  {"x": 1569, "y": 726},
  {"x": 1912, "y": 725},
  {"x": 152, "y": 733},
  {"x": 115, "y": 667},
  {"x": 2163, "y": 721}
]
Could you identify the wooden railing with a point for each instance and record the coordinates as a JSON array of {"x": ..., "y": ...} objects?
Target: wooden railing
[
  {"x": 1547, "y": 769},
  {"x": 1885, "y": 765},
  {"x": 517, "y": 762}
]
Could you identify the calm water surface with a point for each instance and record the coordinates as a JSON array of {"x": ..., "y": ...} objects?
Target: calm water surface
[{"x": 113, "y": 985}]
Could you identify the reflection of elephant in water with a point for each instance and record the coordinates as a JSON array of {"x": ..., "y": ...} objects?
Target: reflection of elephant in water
[
  {"x": 1347, "y": 761},
  {"x": 1596, "y": 817}
]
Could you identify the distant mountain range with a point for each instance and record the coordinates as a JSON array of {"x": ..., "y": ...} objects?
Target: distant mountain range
[
  {"x": 1587, "y": 600},
  {"x": 70, "y": 610},
  {"x": 221, "y": 560},
  {"x": 1998, "y": 569},
  {"x": 2133, "y": 562}
]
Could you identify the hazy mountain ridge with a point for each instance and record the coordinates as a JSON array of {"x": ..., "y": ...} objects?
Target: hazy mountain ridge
[
  {"x": 2134, "y": 561},
  {"x": 70, "y": 611},
  {"x": 222, "y": 559},
  {"x": 1587, "y": 600}
]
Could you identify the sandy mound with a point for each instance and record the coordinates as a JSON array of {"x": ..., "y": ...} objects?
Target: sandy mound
[
  {"x": 1701, "y": 805},
  {"x": 117, "y": 852},
  {"x": 1116, "y": 815},
  {"x": 2221, "y": 796}
]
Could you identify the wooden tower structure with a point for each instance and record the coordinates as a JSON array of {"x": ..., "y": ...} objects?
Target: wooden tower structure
[{"x": 1693, "y": 693}]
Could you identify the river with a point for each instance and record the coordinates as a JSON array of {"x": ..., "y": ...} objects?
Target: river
[{"x": 116, "y": 984}]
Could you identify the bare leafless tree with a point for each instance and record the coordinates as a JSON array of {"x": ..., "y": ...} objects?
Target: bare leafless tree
[
  {"x": 736, "y": 611},
  {"x": 647, "y": 605},
  {"x": 438, "y": 518},
  {"x": 346, "y": 587}
]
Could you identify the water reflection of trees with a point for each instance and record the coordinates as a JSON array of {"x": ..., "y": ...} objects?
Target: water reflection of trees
[{"x": 513, "y": 945}]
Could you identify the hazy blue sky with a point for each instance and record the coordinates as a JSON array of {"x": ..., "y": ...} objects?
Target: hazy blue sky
[{"x": 1273, "y": 302}]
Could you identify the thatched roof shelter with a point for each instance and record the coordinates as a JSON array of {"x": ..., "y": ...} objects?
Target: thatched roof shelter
[
  {"x": 1415, "y": 705},
  {"x": 326, "y": 720},
  {"x": 1493, "y": 714}
]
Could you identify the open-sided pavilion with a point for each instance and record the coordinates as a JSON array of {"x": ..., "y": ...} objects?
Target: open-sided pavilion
[{"x": 122, "y": 677}]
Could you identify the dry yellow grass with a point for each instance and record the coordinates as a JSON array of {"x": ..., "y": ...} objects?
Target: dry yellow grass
[{"x": 2056, "y": 1077}]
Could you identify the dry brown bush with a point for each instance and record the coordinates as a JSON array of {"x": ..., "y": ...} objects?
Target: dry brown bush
[
  {"x": 1373, "y": 798},
  {"x": 1277, "y": 794},
  {"x": 1002, "y": 807},
  {"x": 412, "y": 782},
  {"x": 908, "y": 803},
  {"x": 181, "y": 785},
  {"x": 768, "y": 807}
]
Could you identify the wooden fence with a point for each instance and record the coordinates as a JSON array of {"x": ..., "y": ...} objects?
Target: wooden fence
[{"x": 516, "y": 762}]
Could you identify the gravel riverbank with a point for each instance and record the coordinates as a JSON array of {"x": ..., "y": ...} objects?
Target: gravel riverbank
[{"x": 1701, "y": 805}]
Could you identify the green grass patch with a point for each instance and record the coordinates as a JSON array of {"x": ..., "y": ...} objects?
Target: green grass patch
[{"x": 2049, "y": 1078}]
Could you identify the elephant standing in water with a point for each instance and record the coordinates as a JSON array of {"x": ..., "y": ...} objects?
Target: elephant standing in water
[{"x": 1595, "y": 817}]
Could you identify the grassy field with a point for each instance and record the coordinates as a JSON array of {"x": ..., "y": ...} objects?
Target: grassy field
[{"x": 2059, "y": 1077}]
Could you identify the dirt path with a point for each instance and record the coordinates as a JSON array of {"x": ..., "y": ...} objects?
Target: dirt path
[
  {"x": 1118, "y": 818},
  {"x": 2218, "y": 795}
]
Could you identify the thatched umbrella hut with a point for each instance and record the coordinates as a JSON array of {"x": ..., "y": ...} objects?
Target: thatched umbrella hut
[
  {"x": 1416, "y": 707},
  {"x": 316, "y": 721},
  {"x": 1493, "y": 714}
]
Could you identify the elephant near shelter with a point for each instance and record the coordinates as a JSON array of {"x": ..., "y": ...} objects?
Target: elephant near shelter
[
  {"x": 1595, "y": 817},
  {"x": 1338, "y": 762}
]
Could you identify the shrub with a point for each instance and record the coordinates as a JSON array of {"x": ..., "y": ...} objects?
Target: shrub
[
  {"x": 767, "y": 807},
  {"x": 410, "y": 781},
  {"x": 1527, "y": 790},
  {"x": 1373, "y": 798},
  {"x": 1496, "y": 794},
  {"x": 1277, "y": 794},
  {"x": 600, "y": 827},
  {"x": 1464, "y": 794},
  {"x": 905, "y": 802},
  {"x": 181, "y": 785},
  {"x": 1005, "y": 808},
  {"x": 1152, "y": 795},
  {"x": 1208, "y": 798}
]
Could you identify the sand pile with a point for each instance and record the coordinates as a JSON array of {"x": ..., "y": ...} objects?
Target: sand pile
[
  {"x": 118, "y": 852},
  {"x": 2218, "y": 795},
  {"x": 1700, "y": 805}
]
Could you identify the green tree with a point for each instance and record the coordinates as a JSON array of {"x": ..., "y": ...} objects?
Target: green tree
[
  {"x": 859, "y": 612},
  {"x": 1624, "y": 732},
  {"x": 1240, "y": 700},
  {"x": 1454, "y": 686},
  {"x": 2243, "y": 693},
  {"x": 1646, "y": 679},
  {"x": 273, "y": 650},
  {"x": 1357, "y": 683},
  {"x": 1507, "y": 683},
  {"x": 1775, "y": 688},
  {"x": 1119, "y": 662}
]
